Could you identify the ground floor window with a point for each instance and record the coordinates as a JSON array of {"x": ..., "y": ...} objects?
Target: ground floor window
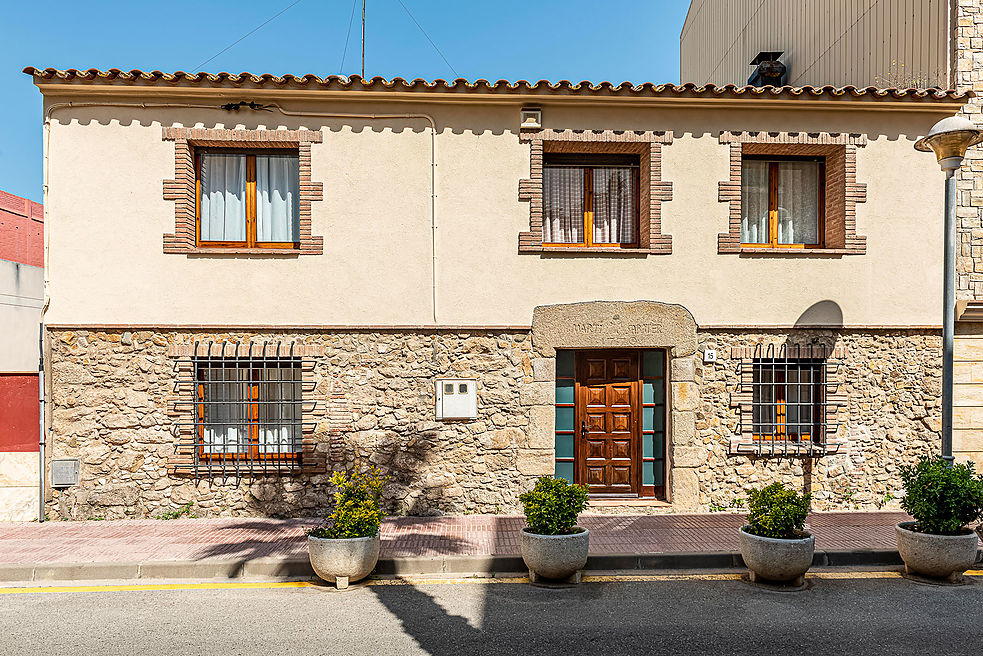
[
  {"x": 788, "y": 399},
  {"x": 248, "y": 412}
]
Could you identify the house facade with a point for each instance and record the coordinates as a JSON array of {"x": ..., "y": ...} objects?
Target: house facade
[{"x": 671, "y": 294}]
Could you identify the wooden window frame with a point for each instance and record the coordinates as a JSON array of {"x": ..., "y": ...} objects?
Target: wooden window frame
[
  {"x": 842, "y": 192},
  {"x": 585, "y": 162},
  {"x": 818, "y": 387},
  {"x": 652, "y": 189},
  {"x": 252, "y": 240},
  {"x": 773, "y": 183},
  {"x": 253, "y": 382}
]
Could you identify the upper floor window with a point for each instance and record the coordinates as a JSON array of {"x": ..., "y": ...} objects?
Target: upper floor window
[
  {"x": 782, "y": 201},
  {"x": 590, "y": 200},
  {"x": 248, "y": 198}
]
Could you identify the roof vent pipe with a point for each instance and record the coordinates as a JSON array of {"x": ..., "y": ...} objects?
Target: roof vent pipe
[{"x": 769, "y": 71}]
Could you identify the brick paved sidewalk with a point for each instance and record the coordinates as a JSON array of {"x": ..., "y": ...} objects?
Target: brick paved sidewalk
[{"x": 405, "y": 537}]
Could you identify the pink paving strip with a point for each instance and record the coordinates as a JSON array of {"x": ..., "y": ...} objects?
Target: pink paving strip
[{"x": 245, "y": 538}]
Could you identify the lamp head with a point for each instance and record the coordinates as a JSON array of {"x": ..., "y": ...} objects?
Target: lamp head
[{"x": 949, "y": 139}]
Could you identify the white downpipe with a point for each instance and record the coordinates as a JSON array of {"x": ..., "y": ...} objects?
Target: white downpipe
[
  {"x": 42, "y": 424},
  {"x": 433, "y": 178}
]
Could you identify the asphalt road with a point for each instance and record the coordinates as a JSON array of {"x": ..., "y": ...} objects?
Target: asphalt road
[{"x": 856, "y": 616}]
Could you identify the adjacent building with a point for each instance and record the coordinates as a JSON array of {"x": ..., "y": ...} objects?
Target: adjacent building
[
  {"x": 21, "y": 292},
  {"x": 668, "y": 293},
  {"x": 863, "y": 43}
]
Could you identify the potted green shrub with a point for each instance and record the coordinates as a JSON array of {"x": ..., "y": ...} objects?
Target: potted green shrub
[
  {"x": 774, "y": 542},
  {"x": 346, "y": 548},
  {"x": 553, "y": 546},
  {"x": 943, "y": 498}
]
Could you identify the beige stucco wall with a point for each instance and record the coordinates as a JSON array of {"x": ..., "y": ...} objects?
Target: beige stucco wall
[{"x": 106, "y": 217}]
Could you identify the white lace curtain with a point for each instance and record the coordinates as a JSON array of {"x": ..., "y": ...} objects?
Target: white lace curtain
[
  {"x": 614, "y": 203},
  {"x": 227, "y": 400},
  {"x": 277, "y": 198},
  {"x": 223, "y": 197},
  {"x": 614, "y": 206},
  {"x": 563, "y": 205},
  {"x": 798, "y": 202}
]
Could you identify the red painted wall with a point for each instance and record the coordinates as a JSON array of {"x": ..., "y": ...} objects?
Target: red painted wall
[
  {"x": 19, "y": 412},
  {"x": 21, "y": 230}
]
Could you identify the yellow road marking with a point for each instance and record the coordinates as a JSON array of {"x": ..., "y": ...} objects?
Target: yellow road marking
[
  {"x": 158, "y": 586},
  {"x": 411, "y": 580}
]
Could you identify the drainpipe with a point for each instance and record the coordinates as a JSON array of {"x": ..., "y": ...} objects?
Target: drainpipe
[
  {"x": 42, "y": 425},
  {"x": 433, "y": 177},
  {"x": 41, "y": 422}
]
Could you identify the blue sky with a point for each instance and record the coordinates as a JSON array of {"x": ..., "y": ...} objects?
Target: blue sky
[{"x": 617, "y": 40}]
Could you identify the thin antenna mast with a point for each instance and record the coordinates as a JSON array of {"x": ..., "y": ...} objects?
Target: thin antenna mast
[{"x": 363, "y": 39}]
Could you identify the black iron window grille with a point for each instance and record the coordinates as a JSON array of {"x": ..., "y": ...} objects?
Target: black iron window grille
[
  {"x": 244, "y": 410},
  {"x": 787, "y": 405}
]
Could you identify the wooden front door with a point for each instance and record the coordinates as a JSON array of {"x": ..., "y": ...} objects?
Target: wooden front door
[{"x": 608, "y": 448}]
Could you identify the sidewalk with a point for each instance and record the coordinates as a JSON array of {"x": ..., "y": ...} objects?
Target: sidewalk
[{"x": 234, "y": 547}]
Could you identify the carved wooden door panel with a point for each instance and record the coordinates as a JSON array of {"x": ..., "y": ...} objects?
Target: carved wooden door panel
[{"x": 608, "y": 403}]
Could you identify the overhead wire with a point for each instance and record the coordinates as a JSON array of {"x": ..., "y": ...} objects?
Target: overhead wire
[
  {"x": 417, "y": 23},
  {"x": 348, "y": 36},
  {"x": 249, "y": 33}
]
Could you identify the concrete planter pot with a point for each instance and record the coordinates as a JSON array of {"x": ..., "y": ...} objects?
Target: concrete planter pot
[
  {"x": 345, "y": 560},
  {"x": 936, "y": 556},
  {"x": 772, "y": 559},
  {"x": 555, "y": 557}
]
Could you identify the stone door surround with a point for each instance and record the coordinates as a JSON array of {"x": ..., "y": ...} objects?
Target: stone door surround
[{"x": 625, "y": 324}]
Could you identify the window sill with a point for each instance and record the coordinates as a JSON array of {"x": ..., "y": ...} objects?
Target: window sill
[
  {"x": 582, "y": 250},
  {"x": 791, "y": 252},
  {"x": 779, "y": 449},
  {"x": 214, "y": 250}
]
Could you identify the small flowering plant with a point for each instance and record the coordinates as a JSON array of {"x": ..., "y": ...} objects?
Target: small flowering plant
[{"x": 357, "y": 512}]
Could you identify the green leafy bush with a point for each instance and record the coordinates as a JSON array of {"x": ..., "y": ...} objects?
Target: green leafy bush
[
  {"x": 357, "y": 513},
  {"x": 942, "y": 498},
  {"x": 777, "y": 512},
  {"x": 553, "y": 505}
]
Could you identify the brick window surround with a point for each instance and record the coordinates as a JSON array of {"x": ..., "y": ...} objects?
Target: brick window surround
[
  {"x": 843, "y": 192},
  {"x": 182, "y": 403},
  {"x": 181, "y": 189},
  {"x": 652, "y": 189}
]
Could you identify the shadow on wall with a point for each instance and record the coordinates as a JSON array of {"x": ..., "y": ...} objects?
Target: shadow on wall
[{"x": 826, "y": 314}]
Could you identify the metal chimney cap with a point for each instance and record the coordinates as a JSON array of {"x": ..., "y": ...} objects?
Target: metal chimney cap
[{"x": 766, "y": 55}]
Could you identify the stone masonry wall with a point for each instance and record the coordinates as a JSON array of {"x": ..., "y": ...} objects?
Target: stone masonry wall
[
  {"x": 109, "y": 407},
  {"x": 110, "y": 393},
  {"x": 891, "y": 381}
]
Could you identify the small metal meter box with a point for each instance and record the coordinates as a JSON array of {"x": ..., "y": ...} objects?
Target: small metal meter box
[
  {"x": 65, "y": 472},
  {"x": 457, "y": 398}
]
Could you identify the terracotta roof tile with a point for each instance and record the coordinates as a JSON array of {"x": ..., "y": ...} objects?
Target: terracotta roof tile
[{"x": 115, "y": 76}]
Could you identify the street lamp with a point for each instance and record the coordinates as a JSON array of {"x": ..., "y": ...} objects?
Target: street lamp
[{"x": 949, "y": 139}]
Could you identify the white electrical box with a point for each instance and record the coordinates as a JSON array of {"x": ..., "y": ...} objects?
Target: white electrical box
[{"x": 457, "y": 398}]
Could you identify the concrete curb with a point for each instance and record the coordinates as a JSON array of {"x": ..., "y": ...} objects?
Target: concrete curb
[{"x": 300, "y": 567}]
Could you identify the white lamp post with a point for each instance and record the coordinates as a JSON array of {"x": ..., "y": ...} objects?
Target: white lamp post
[{"x": 949, "y": 139}]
